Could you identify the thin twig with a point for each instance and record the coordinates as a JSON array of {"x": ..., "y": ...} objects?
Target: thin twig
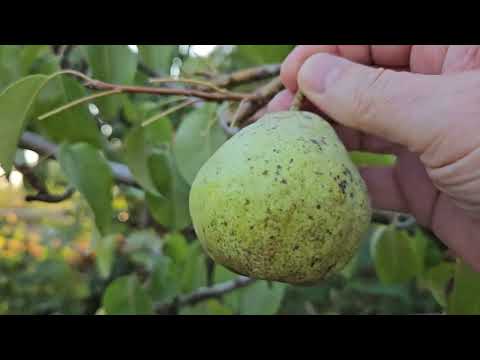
[
  {"x": 248, "y": 107},
  {"x": 169, "y": 111},
  {"x": 211, "y": 96},
  {"x": 247, "y": 75},
  {"x": 78, "y": 102},
  {"x": 205, "y": 293},
  {"x": 297, "y": 101},
  {"x": 203, "y": 83},
  {"x": 224, "y": 120}
]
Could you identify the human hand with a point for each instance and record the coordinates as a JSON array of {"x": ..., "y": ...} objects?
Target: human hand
[{"x": 420, "y": 103}]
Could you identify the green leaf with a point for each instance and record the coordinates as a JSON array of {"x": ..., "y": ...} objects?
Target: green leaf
[
  {"x": 115, "y": 64},
  {"x": 375, "y": 288},
  {"x": 143, "y": 240},
  {"x": 194, "y": 271},
  {"x": 89, "y": 172},
  {"x": 437, "y": 279},
  {"x": 361, "y": 158},
  {"x": 233, "y": 299},
  {"x": 105, "y": 254},
  {"x": 140, "y": 143},
  {"x": 46, "y": 65},
  {"x": 9, "y": 65},
  {"x": 29, "y": 54},
  {"x": 72, "y": 125},
  {"x": 163, "y": 285},
  {"x": 158, "y": 57},
  {"x": 196, "y": 140},
  {"x": 144, "y": 247},
  {"x": 465, "y": 297},
  {"x": 132, "y": 111},
  {"x": 262, "y": 54},
  {"x": 125, "y": 296},
  {"x": 208, "y": 307},
  {"x": 260, "y": 298},
  {"x": 398, "y": 257},
  {"x": 171, "y": 210},
  {"x": 176, "y": 248},
  {"x": 15, "y": 106}
]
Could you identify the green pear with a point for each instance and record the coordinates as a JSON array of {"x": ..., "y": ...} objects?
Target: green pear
[{"x": 281, "y": 201}]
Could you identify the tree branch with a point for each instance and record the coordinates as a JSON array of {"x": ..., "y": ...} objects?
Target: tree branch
[
  {"x": 211, "y": 96},
  {"x": 205, "y": 293},
  {"x": 43, "y": 147},
  {"x": 248, "y": 107},
  {"x": 51, "y": 198},
  {"x": 42, "y": 191},
  {"x": 244, "y": 76}
]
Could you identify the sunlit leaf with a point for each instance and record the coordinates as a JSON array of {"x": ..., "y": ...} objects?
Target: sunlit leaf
[
  {"x": 398, "y": 256},
  {"x": 437, "y": 279},
  {"x": 15, "y": 106}
]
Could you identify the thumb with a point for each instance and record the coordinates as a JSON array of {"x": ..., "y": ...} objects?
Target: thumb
[{"x": 398, "y": 106}]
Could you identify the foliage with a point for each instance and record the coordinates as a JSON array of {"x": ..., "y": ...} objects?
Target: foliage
[{"x": 113, "y": 248}]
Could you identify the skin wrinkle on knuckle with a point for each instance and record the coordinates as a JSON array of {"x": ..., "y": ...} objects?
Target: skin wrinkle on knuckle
[
  {"x": 469, "y": 60},
  {"x": 368, "y": 98},
  {"x": 472, "y": 57},
  {"x": 458, "y": 173}
]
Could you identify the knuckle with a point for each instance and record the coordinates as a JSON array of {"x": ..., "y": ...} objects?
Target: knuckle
[
  {"x": 467, "y": 59},
  {"x": 369, "y": 96}
]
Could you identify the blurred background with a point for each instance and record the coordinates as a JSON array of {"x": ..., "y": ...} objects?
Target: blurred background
[{"x": 54, "y": 260}]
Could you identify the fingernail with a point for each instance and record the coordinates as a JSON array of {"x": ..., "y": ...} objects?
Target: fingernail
[{"x": 319, "y": 72}]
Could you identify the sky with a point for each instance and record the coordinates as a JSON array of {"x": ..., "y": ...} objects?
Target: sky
[{"x": 195, "y": 50}]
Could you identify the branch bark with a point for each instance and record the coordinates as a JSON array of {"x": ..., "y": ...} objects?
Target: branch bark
[
  {"x": 205, "y": 293},
  {"x": 51, "y": 198},
  {"x": 43, "y": 194},
  {"x": 245, "y": 76},
  {"x": 249, "y": 107}
]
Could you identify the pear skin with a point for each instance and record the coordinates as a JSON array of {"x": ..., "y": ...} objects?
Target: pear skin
[{"x": 281, "y": 201}]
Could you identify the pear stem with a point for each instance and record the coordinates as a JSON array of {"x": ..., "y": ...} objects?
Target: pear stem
[{"x": 297, "y": 101}]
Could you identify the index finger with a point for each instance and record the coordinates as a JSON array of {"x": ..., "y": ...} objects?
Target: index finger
[{"x": 394, "y": 56}]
